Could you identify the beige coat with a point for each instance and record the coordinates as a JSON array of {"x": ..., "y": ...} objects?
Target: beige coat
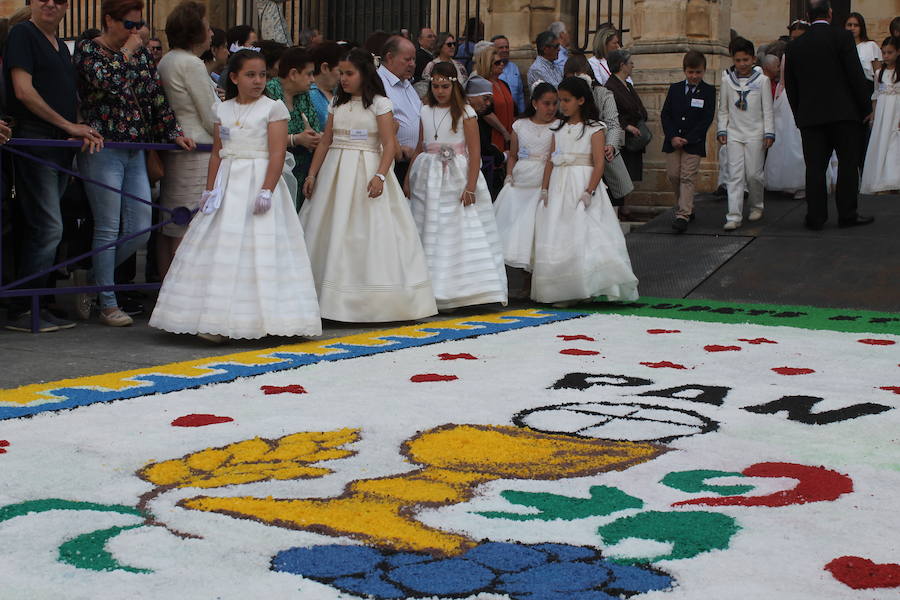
[{"x": 191, "y": 93}]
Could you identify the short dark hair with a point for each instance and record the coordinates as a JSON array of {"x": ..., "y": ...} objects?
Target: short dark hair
[
  {"x": 818, "y": 9},
  {"x": 895, "y": 24},
  {"x": 293, "y": 58},
  {"x": 218, "y": 38},
  {"x": 117, "y": 9},
  {"x": 271, "y": 51},
  {"x": 327, "y": 52},
  {"x": 544, "y": 39},
  {"x": 184, "y": 25},
  {"x": 740, "y": 44},
  {"x": 693, "y": 60},
  {"x": 499, "y": 37},
  {"x": 238, "y": 35},
  {"x": 371, "y": 82}
]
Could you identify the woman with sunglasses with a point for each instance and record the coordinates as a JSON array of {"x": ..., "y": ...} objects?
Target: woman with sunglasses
[
  {"x": 123, "y": 100},
  {"x": 489, "y": 65},
  {"x": 446, "y": 47}
]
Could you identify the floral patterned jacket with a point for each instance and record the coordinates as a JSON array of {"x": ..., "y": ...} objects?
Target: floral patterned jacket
[{"x": 122, "y": 99}]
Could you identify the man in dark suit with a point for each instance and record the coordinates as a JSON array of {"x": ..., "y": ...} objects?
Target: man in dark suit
[
  {"x": 425, "y": 51},
  {"x": 826, "y": 88},
  {"x": 686, "y": 115}
]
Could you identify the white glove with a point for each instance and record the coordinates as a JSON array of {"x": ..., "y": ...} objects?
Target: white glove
[
  {"x": 210, "y": 200},
  {"x": 544, "y": 196},
  {"x": 585, "y": 199},
  {"x": 263, "y": 202},
  {"x": 509, "y": 180}
]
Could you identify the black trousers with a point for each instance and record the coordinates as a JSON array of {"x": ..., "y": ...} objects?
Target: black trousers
[
  {"x": 400, "y": 169},
  {"x": 819, "y": 142}
]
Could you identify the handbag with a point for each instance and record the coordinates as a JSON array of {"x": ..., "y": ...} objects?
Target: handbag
[
  {"x": 155, "y": 168},
  {"x": 637, "y": 143}
]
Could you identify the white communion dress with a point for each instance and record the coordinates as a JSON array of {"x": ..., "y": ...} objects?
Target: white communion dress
[
  {"x": 517, "y": 203},
  {"x": 785, "y": 169},
  {"x": 366, "y": 256},
  {"x": 461, "y": 243},
  {"x": 578, "y": 253},
  {"x": 881, "y": 172},
  {"x": 235, "y": 273}
]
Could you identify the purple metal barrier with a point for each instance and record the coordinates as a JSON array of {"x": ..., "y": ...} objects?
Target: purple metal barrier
[{"x": 180, "y": 216}]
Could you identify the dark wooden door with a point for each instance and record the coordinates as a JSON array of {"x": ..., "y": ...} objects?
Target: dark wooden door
[{"x": 356, "y": 20}]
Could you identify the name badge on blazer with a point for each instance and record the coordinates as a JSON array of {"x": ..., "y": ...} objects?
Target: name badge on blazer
[
  {"x": 359, "y": 135},
  {"x": 696, "y": 102}
]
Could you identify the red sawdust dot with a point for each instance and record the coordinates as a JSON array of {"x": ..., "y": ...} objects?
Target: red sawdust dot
[
  {"x": 757, "y": 341},
  {"x": 873, "y": 342},
  {"x": 3, "y": 445},
  {"x": 199, "y": 420},
  {"x": 891, "y": 388},
  {"x": 268, "y": 390},
  {"x": 573, "y": 338},
  {"x": 579, "y": 352},
  {"x": 793, "y": 371},
  {"x": 659, "y": 331},
  {"x": 663, "y": 365},
  {"x": 863, "y": 574},
  {"x": 462, "y": 356},
  {"x": 427, "y": 377},
  {"x": 717, "y": 348}
]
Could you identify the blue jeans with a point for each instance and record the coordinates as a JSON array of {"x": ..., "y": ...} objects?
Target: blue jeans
[
  {"x": 116, "y": 216},
  {"x": 39, "y": 189}
]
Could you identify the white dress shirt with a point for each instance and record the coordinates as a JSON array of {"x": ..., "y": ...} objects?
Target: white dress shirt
[{"x": 407, "y": 106}]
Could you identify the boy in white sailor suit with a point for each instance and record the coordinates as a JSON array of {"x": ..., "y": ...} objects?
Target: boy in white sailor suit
[{"x": 747, "y": 129}]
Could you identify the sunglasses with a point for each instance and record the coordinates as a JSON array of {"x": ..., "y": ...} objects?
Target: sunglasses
[
  {"x": 133, "y": 24},
  {"x": 450, "y": 44},
  {"x": 500, "y": 62}
]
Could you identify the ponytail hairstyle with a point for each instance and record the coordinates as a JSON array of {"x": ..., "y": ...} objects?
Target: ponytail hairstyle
[
  {"x": 894, "y": 43},
  {"x": 448, "y": 71},
  {"x": 537, "y": 93},
  {"x": 370, "y": 82},
  {"x": 590, "y": 114},
  {"x": 235, "y": 64}
]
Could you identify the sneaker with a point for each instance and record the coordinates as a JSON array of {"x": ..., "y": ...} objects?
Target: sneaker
[
  {"x": 117, "y": 318},
  {"x": 23, "y": 323},
  {"x": 83, "y": 300},
  {"x": 731, "y": 225},
  {"x": 755, "y": 214},
  {"x": 679, "y": 225},
  {"x": 48, "y": 316}
]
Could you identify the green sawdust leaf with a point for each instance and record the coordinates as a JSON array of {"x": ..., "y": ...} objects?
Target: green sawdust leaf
[
  {"x": 604, "y": 501},
  {"x": 693, "y": 482},
  {"x": 12, "y": 511},
  {"x": 89, "y": 551},
  {"x": 690, "y": 533}
]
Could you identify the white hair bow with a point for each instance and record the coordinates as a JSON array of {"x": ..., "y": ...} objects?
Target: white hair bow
[{"x": 236, "y": 48}]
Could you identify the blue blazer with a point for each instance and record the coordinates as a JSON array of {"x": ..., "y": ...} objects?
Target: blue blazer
[{"x": 682, "y": 116}]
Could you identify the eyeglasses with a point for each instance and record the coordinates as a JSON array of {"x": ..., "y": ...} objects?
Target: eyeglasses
[
  {"x": 500, "y": 62},
  {"x": 133, "y": 24}
]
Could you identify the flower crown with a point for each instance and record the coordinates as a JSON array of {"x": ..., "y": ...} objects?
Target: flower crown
[{"x": 430, "y": 78}]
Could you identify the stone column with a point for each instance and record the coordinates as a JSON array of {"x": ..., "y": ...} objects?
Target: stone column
[{"x": 662, "y": 31}]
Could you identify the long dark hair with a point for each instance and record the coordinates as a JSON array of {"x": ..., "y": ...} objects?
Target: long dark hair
[
  {"x": 895, "y": 43},
  {"x": 235, "y": 64},
  {"x": 536, "y": 94},
  {"x": 457, "y": 100},
  {"x": 590, "y": 114},
  {"x": 863, "y": 34},
  {"x": 369, "y": 78}
]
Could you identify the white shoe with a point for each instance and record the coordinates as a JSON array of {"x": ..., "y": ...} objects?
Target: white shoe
[
  {"x": 116, "y": 318},
  {"x": 731, "y": 225},
  {"x": 800, "y": 195},
  {"x": 755, "y": 214}
]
